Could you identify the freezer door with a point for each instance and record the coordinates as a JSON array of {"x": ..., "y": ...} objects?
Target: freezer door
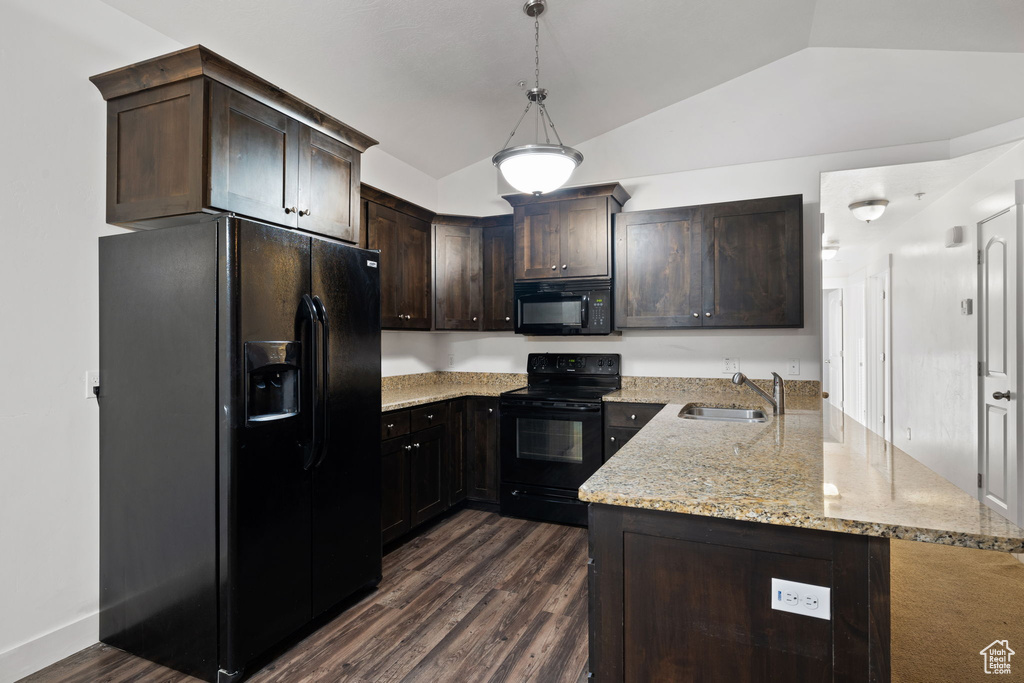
[
  {"x": 346, "y": 476},
  {"x": 264, "y": 483}
]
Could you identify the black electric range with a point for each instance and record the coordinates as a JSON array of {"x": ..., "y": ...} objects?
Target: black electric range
[{"x": 551, "y": 434}]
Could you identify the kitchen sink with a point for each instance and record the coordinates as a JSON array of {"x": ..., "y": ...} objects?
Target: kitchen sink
[{"x": 722, "y": 414}]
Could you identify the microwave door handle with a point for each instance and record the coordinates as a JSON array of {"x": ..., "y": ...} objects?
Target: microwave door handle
[{"x": 584, "y": 311}]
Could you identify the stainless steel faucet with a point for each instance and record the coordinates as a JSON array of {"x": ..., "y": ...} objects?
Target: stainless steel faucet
[{"x": 778, "y": 397}]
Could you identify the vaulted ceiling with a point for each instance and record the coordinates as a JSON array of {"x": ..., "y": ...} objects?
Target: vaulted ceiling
[{"x": 436, "y": 82}]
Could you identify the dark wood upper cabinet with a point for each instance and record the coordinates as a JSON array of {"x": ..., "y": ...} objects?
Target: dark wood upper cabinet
[
  {"x": 401, "y": 231},
  {"x": 473, "y": 273},
  {"x": 328, "y": 186},
  {"x": 736, "y": 264},
  {"x": 565, "y": 233},
  {"x": 497, "y": 269},
  {"x": 191, "y": 133},
  {"x": 753, "y": 263},
  {"x": 658, "y": 268},
  {"x": 254, "y": 158},
  {"x": 458, "y": 273}
]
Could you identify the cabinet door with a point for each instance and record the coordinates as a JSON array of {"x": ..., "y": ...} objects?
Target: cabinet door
[
  {"x": 482, "y": 450},
  {"x": 537, "y": 241},
  {"x": 428, "y": 479},
  {"x": 328, "y": 186},
  {"x": 254, "y": 157},
  {"x": 615, "y": 438},
  {"x": 414, "y": 300},
  {"x": 658, "y": 268},
  {"x": 383, "y": 234},
  {"x": 457, "y": 426},
  {"x": 584, "y": 231},
  {"x": 497, "y": 272},
  {"x": 753, "y": 263},
  {"x": 457, "y": 278},
  {"x": 394, "y": 471}
]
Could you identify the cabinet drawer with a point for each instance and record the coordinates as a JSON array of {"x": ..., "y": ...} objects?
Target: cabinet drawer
[
  {"x": 632, "y": 415},
  {"x": 394, "y": 424},
  {"x": 429, "y": 416}
]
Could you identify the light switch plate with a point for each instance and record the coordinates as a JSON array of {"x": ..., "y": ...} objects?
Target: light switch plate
[{"x": 801, "y": 598}]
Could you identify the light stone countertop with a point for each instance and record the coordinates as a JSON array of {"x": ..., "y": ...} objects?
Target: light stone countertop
[
  {"x": 409, "y": 391},
  {"x": 807, "y": 468}
]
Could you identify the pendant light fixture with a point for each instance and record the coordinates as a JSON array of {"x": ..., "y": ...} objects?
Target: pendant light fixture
[{"x": 538, "y": 167}]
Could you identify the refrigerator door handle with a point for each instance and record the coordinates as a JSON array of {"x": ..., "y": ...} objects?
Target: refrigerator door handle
[
  {"x": 323, "y": 380},
  {"x": 310, "y": 393}
]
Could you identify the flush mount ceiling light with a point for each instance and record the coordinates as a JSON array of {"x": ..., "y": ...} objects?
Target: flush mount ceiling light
[
  {"x": 829, "y": 252},
  {"x": 869, "y": 210},
  {"x": 538, "y": 167}
]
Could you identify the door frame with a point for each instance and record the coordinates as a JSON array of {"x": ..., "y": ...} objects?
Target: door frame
[
  {"x": 1014, "y": 513},
  {"x": 876, "y": 314},
  {"x": 836, "y": 398}
]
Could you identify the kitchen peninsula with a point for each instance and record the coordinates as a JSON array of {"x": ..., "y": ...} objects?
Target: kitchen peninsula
[{"x": 702, "y": 515}]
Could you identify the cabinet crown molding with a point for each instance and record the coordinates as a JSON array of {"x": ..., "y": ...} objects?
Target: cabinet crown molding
[
  {"x": 614, "y": 190},
  {"x": 198, "y": 61}
]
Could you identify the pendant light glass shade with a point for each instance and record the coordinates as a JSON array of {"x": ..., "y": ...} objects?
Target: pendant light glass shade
[{"x": 537, "y": 168}]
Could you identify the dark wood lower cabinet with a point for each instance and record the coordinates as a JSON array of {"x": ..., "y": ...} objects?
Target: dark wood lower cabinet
[
  {"x": 623, "y": 420},
  {"x": 678, "y": 597},
  {"x": 394, "y": 472},
  {"x": 482, "y": 450},
  {"x": 457, "y": 425},
  {"x": 428, "y": 485}
]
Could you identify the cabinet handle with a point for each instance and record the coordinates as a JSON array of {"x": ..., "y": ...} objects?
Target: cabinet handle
[
  {"x": 554, "y": 267},
  {"x": 632, "y": 417},
  {"x": 490, "y": 410},
  {"x": 507, "y": 319},
  {"x": 290, "y": 209},
  {"x": 474, "y": 318},
  {"x": 408, "y": 448},
  {"x": 430, "y": 417},
  {"x": 390, "y": 427},
  {"x": 612, "y": 438},
  {"x": 415, "y": 445},
  {"x": 696, "y": 315},
  {"x": 304, "y": 213},
  {"x": 707, "y": 315},
  {"x": 564, "y": 266}
]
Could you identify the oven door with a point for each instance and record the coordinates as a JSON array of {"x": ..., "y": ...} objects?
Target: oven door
[
  {"x": 551, "y": 444},
  {"x": 552, "y": 313}
]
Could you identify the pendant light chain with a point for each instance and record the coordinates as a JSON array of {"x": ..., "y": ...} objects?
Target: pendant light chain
[{"x": 536, "y": 51}]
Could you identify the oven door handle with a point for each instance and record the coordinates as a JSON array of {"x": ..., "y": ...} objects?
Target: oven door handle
[{"x": 530, "y": 410}]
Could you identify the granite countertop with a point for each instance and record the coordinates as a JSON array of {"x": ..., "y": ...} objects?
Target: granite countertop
[
  {"x": 807, "y": 468},
  {"x": 408, "y": 391}
]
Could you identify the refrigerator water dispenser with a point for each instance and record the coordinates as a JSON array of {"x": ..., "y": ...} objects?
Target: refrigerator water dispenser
[{"x": 271, "y": 380}]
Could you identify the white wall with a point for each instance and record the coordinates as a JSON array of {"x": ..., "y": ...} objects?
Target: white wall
[{"x": 53, "y": 146}]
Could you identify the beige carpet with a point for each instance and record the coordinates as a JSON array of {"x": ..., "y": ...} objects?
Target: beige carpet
[{"x": 947, "y": 605}]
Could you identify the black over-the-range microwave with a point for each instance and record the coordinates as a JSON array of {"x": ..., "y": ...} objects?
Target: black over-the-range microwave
[{"x": 563, "y": 307}]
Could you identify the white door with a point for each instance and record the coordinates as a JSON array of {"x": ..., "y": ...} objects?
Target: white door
[
  {"x": 834, "y": 348},
  {"x": 997, "y": 424}
]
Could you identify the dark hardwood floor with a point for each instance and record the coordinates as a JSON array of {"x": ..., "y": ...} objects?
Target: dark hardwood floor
[{"x": 476, "y": 598}]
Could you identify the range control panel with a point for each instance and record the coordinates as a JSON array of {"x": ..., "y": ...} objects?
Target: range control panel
[{"x": 573, "y": 363}]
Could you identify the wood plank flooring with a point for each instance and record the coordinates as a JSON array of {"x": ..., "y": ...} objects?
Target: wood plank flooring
[{"x": 476, "y": 598}]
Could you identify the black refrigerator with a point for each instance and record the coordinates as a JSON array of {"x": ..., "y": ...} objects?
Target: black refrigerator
[{"x": 239, "y": 416}]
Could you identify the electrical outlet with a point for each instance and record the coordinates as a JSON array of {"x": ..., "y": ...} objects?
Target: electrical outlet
[
  {"x": 451, "y": 360},
  {"x": 732, "y": 365},
  {"x": 92, "y": 383},
  {"x": 801, "y": 598},
  {"x": 794, "y": 366}
]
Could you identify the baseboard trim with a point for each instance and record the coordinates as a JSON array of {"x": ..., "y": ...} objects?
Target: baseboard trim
[{"x": 54, "y": 646}]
